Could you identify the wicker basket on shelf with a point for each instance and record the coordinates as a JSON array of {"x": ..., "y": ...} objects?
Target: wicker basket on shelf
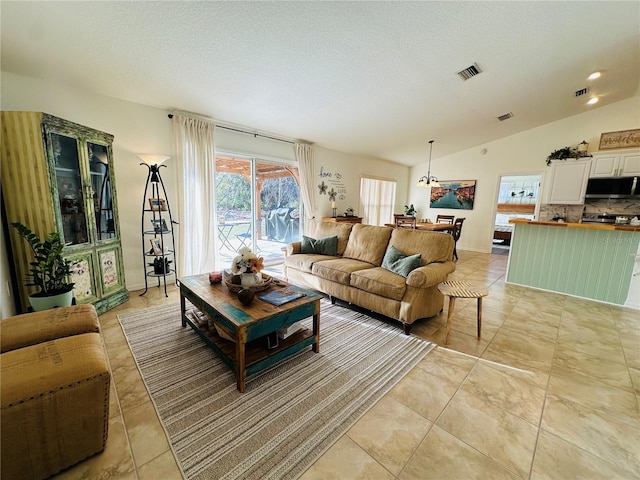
[{"x": 227, "y": 278}]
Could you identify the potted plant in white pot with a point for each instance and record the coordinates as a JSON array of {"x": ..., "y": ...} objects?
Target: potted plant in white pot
[
  {"x": 49, "y": 270},
  {"x": 409, "y": 210}
]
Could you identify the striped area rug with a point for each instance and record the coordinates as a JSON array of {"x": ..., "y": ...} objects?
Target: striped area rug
[{"x": 290, "y": 413}]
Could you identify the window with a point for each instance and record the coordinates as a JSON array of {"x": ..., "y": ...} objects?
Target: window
[{"x": 377, "y": 199}]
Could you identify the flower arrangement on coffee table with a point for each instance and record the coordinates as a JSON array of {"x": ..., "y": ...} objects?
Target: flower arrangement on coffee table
[
  {"x": 247, "y": 262},
  {"x": 246, "y": 269}
]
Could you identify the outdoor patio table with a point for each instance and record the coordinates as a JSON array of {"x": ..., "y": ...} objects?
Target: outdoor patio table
[{"x": 224, "y": 232}]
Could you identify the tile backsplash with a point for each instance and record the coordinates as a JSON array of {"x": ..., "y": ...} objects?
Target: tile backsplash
[
  {"x": 623, "y": 206},
  {"x": 570, "y": 213},
  {"x": 573, "y": 213}
]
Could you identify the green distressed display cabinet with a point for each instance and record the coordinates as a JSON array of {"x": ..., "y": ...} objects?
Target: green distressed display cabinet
[{"x": 58, "y": 176}]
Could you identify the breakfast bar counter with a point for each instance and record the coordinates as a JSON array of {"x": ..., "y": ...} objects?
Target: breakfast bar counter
[
  {"x": 585, "y": 260},
  {"x": 589, "y": 226}
]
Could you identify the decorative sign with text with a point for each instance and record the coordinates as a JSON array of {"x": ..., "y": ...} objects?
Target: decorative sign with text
[
  {"x": 332, "y": 185},
  {"x": 621, "y": 139}
]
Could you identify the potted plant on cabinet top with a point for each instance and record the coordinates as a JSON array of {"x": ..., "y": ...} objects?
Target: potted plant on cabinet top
[
  {"x": 409, "y": 210},
  {"x": 49, "y": 271},
  {"x": 562, "y": 154}
]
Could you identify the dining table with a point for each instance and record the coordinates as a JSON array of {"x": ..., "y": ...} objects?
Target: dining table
[
  {"x": 435, "y": 227},
  {"x": 431, "y": 227}
]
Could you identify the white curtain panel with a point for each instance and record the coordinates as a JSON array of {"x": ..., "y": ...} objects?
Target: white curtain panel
[
  {"x": 377, "y": 198},
  {"x": 196, "y": 194},
  {"x": 305, "y": 155}
]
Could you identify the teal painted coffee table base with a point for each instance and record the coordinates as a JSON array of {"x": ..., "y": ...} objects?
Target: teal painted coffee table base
[{"x": 249, "y": 325}]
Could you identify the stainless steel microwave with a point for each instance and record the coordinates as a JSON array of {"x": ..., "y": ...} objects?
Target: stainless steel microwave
[{"x": 613, "y": 187}]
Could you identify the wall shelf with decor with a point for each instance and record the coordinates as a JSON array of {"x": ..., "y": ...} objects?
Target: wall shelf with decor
[{"x": 158, "y": 240}]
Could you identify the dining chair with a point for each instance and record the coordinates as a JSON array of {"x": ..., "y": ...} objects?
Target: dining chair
[
  {"x": 445, "y": 219},
  {"x": 457, "y": 230},
  {"x": 403, "y": 221}
]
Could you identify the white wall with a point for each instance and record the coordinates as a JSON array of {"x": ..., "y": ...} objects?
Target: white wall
[
  {"x": 519, "y": 154},
  {"x": 351, "y": 168},
  {"x": 143, "y": 129}
]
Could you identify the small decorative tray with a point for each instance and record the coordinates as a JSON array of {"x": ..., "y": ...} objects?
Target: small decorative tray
[{"x": 228, "y": 280}]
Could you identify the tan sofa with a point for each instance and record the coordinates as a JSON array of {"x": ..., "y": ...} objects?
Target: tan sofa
[
  {"x": 54, "y": 391},
  {"x": 355, "y": 274}
]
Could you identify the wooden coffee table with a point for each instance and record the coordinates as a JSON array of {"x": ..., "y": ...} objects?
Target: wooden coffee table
[{"x": 249, "y": 325}]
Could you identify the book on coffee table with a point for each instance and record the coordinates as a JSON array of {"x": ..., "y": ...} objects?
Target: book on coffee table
[{"x": 280, "y": 297}]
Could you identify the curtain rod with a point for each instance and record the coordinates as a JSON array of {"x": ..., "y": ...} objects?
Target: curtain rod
[{"x": 248, "y": 133}]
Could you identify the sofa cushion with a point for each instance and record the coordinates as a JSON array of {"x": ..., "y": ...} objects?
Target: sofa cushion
[
  {"x": 304, "y": 261},
  {"x": 338, "y": 270},
  {"x": 432, "y": 246},
  {"x": 322, "y": 246},
  {"x": 328, "y": 229},
  {"x": 379, "y": 281},
  {"x": 397, "y": 262},
  {"x": 368, "y": 243}
]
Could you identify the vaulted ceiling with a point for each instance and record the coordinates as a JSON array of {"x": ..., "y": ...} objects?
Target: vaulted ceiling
[{"x": 371, "y": 78}]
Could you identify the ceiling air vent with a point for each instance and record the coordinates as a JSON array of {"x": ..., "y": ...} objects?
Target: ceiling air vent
[
  {"x": 581, "y": 92},
  {"x": 469, "y": 72},
  {"x": 506, "y": 116}
]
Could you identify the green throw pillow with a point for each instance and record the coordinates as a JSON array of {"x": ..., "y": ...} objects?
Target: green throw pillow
[
  {"x": 399, "y": 263},
  {"x": 321, "y": 246}
]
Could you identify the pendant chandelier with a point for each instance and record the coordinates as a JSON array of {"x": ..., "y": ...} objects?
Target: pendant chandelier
[{"x": 429, "y": 180}]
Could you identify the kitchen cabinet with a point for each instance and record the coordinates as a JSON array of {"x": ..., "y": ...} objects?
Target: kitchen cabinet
[
  {"x": 567, "y": 182},
  {"x": 621, "y": 163},
  {"x": 59, "y": 176}
]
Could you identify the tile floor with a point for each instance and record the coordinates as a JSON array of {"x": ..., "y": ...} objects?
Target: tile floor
[{"x": 549, "y": 391}]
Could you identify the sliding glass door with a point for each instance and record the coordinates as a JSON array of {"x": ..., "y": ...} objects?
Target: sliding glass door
[{"x": 257, "y": 205}]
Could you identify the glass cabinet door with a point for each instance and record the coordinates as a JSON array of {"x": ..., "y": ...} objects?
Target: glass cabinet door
[
  {"x": 70, "y": 192},
  {"x": 102, "y": 195}
]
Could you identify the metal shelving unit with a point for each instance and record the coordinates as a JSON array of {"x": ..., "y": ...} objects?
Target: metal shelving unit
[{"x": 158, "y": 240}]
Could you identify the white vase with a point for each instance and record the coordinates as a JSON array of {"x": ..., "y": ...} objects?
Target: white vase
[
  {"x": 45, "y": 303},
  {"x": 248, "y": 279}
]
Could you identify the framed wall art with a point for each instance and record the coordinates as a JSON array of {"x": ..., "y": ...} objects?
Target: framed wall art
[{"x": 455, "y": 194}]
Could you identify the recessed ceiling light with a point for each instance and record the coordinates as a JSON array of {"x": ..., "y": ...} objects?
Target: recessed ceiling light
[
  {"x": 592, "y": 101},
  {"x": 594, "y": 75}
]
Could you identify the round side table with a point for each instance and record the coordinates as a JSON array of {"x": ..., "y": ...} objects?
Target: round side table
[{"x": 456, "y": 289}]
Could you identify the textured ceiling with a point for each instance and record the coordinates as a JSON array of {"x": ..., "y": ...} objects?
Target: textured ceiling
[{"x": 372, "y": 78}]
